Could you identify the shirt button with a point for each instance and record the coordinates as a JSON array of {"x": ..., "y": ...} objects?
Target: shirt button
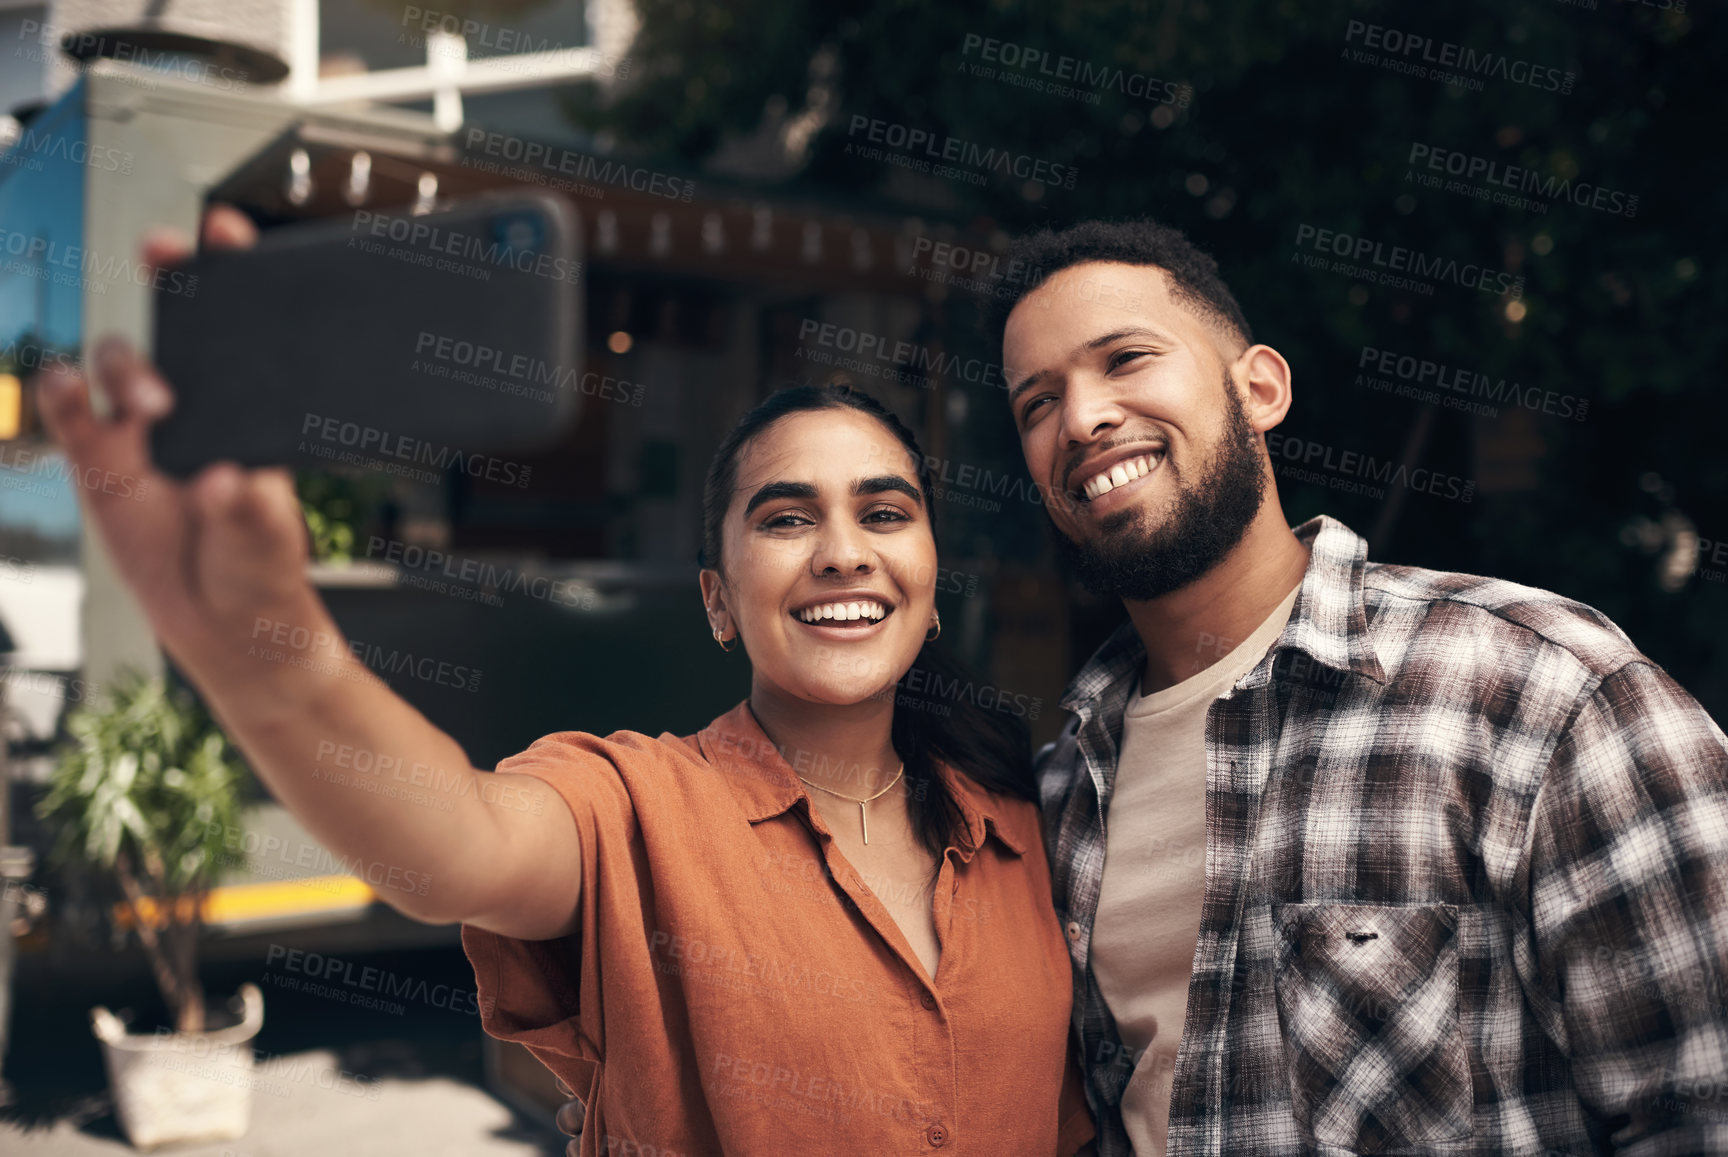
[
  {"x": 937, "y": 1136},
  {"x": 927, "y": 1001},
  {"x": 1073, "y": 930}
]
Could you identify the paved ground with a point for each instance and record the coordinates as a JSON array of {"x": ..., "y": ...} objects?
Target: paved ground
[
  {"x": 433, "y": 1117},
  {"x": 418, "y": 1074}
]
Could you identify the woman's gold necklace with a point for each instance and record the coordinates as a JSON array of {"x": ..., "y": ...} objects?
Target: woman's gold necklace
[{"x": 862, "y": 817}]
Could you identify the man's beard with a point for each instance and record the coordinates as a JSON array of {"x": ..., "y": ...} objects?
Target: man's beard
[{"x": 1131, "y": 560}]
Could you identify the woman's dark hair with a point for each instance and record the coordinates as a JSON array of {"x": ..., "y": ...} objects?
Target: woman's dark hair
[{"x": 937, "y": 705}]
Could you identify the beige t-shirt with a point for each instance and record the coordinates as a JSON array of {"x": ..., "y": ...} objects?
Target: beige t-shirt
[{"x": 1148, "y": 917}]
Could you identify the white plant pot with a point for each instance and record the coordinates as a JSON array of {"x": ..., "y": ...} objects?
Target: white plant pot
[{"x": 175, "y": 1087}]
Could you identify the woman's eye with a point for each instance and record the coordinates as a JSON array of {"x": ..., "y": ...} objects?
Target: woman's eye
[
  {"x": 780, "y": 521},
  {"x": 886, "y": 514}
]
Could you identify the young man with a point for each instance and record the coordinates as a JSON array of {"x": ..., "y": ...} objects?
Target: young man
[{"x": 1351, "y": 857}]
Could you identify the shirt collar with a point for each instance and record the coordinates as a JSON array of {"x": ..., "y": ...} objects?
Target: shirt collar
[
  {"x": 767, "y": 785},
  {"x": 1329, "y": 622},
  {"x": 980, "y": 814}
]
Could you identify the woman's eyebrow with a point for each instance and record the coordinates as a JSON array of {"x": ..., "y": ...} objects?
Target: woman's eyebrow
[
  {"x": 773, "y": 490},
  {"x": 882, "y": 483}
]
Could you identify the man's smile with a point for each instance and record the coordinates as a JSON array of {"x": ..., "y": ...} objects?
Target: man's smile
[{"x": 1108, "y": 481}]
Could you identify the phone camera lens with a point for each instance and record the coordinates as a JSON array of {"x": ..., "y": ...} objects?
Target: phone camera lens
[{"x": 520, "y": 232}]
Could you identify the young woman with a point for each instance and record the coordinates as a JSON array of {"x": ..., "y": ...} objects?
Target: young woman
[{"x": 820, "y": 924}]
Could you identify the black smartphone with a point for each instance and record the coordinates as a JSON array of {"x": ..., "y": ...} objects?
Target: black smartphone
[{"x": 387, "y": 339}]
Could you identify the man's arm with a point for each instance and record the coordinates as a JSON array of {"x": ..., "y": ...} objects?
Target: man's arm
[{"x": 1628, "y": 887}]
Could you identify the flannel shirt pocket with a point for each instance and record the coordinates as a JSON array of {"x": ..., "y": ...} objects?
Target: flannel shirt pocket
[{"x": 1368, "y": 1000}]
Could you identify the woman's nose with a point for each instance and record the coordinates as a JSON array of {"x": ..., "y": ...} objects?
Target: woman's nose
[{"x": 840, "y": 554}]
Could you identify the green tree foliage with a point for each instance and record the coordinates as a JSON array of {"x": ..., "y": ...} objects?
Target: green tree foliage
[{"x": 1289, "y": 125}]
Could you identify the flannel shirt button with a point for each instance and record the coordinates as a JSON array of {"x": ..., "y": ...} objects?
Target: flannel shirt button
[
  {"x": 1073, "y": 930},
  {"x": 937, "y": 1136}
]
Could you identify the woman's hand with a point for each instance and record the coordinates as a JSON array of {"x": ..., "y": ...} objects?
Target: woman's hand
[
  {"x": 207, "y": 557},
  {"x": 218, "y": 563}
]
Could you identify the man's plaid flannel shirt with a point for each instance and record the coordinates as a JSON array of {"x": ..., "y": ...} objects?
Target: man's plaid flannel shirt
[{"x": 1466, "y": 881}]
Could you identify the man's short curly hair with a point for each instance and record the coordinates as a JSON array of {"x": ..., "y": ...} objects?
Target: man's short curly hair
[{"x": 1194, "y": 279}]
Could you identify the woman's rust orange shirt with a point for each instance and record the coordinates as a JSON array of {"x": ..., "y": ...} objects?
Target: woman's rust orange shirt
[{"x": 736, "y": 986}]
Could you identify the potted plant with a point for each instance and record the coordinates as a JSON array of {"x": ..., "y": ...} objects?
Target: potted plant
[{"x": 144, "y": 792}]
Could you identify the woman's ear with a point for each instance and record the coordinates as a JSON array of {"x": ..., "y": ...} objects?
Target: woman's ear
[{"x": 714, "y": 602}]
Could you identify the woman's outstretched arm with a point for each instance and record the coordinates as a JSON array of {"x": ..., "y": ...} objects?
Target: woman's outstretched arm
[{"x": 218, "y": 565}]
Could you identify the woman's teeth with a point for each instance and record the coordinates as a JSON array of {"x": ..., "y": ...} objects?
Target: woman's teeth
[
  {"x": 844, "y": 611},
  {"x": 1120, "y": 474}
]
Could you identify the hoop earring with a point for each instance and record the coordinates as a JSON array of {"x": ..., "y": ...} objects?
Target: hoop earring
[
  {"x": 929, "y": 638},
  {"x": 722, "y": 642}
]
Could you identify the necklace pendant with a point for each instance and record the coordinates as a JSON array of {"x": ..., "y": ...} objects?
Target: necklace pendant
[{"x": 863, "y": 816}]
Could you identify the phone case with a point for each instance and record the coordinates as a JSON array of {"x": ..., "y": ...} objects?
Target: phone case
[{"x": 408, "y": 344}]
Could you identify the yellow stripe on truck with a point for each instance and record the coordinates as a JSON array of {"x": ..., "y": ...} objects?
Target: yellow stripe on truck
[{"x": 237, "y": 903}]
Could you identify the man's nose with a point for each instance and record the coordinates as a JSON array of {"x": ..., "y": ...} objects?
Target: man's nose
[{"x": 1090, "y": 410}]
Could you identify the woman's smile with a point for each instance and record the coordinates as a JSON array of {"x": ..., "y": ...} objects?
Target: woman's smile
[{"x": 845, "y": 617}]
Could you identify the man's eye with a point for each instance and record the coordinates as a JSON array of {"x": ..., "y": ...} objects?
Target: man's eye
[
  {"x": 1124, "y": 356},
  {"x": 1033, "y": 405}
]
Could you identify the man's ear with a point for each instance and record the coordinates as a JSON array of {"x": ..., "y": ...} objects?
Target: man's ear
[{"x": 1264, "y": 379}]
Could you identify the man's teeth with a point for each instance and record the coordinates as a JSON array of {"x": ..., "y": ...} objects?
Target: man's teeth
[
  {"x": 866, "y": 609},
  {"x": 1120, "y": 475}
]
